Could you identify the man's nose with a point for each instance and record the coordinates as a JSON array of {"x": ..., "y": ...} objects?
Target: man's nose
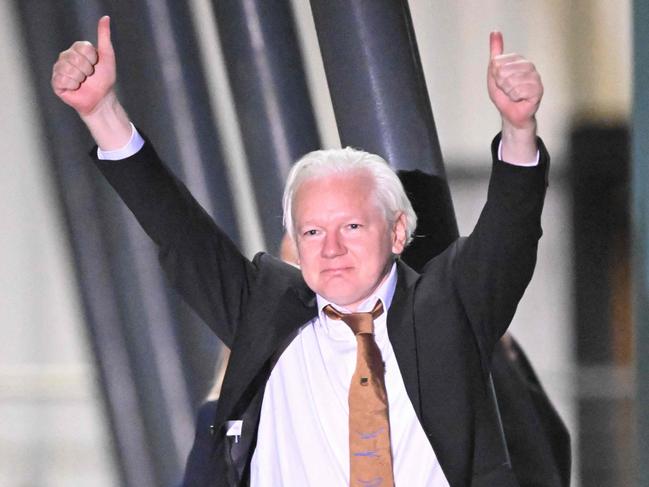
[{"x": 333, "y": 245}]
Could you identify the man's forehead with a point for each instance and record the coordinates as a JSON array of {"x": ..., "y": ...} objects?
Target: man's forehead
[{"x": 337, "y": 196}]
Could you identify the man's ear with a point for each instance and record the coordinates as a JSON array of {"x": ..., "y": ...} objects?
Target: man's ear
[{"x": 399, "y": 234}]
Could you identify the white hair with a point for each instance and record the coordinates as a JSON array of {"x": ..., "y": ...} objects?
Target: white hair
[{"x": 388, "y": 190}]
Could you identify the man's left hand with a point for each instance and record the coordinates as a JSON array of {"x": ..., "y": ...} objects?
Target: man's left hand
[
  {"x": 514, "y": 85},
  {"x": 515, "y": 88}
]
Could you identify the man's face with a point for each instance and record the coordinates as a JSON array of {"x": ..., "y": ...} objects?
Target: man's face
[{"x": 345, "y": 244}]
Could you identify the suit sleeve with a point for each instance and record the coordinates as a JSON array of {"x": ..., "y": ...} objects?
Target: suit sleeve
[
  {"x": 497, "y": 260},
  {"x": 201, "y": 261}
]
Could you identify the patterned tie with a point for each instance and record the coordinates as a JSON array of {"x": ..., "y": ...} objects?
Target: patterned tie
[{"x": 370, "y": 457}]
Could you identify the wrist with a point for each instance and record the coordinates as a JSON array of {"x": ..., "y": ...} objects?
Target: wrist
[
  {"x": 519, "y": 142},
  {"x": 108, "y": 123}
]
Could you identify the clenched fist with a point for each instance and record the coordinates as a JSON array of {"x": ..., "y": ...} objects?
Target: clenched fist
[
  {"x": 84, "y": 76},
  {"x": 514, "y": 84},
  {"x": 515, "y": 88}
]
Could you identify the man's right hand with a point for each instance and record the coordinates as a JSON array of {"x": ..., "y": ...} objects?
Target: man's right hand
[
  {"x": 84, "y": 75},
  {"x": 84, "y": 78}
]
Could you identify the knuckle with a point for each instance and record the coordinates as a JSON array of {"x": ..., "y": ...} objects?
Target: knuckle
[
  {"x": 88, "y": 50},
  {"x": 81, "y": 45},
  {"x": 69, "y": 57},
  {"x": 84, "y": 49},
  {"x": 67, "y": 69}
]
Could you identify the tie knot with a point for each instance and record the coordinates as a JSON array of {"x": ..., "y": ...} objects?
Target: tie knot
[{"x": 360, "y": 323}]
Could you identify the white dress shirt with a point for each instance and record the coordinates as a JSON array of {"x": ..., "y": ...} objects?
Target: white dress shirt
[{"x": 303, "y": 437}]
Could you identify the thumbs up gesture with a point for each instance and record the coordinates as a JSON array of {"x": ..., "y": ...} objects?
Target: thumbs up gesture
[
  {"x": 84, "y": 75},
  {"x": 84, "y": 78},
  {"x": 514, "y": 85}
]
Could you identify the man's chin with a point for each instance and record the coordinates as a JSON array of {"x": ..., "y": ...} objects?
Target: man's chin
[
  {"x": 338, "y": 298},
  {"x": 348, "y": 301}
]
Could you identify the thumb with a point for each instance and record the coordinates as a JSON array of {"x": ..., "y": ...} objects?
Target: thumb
[
  {"x": 495, "y": 43},
  {"x": 104, "y": 44}
]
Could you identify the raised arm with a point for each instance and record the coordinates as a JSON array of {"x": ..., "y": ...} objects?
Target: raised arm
[
  {"x": 202, "y": 263},
  {"x": 497, "y": 260},
  {"x": 84, "y": 78}
]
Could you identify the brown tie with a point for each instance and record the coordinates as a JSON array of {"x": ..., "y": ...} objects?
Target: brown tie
[{"x": 370, "y": 457}]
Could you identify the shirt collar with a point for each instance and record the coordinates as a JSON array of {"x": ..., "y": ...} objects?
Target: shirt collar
[{"x": 385, "y": 292}]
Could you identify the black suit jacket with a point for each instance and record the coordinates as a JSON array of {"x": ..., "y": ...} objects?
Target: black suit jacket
[
  {"x": 443, "y": 323},
  {"x": 197, "y": 470},
  {"x": 537, "y": 439}
]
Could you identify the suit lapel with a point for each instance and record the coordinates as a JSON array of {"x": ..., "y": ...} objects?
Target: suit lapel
[
  {"x": 268, "y": 336},
  {"x": 401, "y": 331}
]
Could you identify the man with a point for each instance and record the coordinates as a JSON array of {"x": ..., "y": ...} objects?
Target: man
[{"x": 282, "y": 418}]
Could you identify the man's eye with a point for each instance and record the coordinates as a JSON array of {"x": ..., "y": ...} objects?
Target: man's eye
[
  {"x": 354, "y": 226},
  {"x": 310, "y": 233}
]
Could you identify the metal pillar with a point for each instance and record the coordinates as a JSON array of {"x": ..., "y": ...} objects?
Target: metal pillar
[
  {"x": 136, "y": 324},
  {"x": 268, "y": 84},
  {"x": 46, "y": 32},
  {"x": 381, "y": 104}
]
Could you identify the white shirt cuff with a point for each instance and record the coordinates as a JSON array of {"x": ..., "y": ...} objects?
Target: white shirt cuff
[
  {"x": 521, "y": 164},
  {"x": 133, "y": 146}
]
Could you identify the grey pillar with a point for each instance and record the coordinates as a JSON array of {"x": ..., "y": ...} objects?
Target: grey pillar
[
  {"x": 640, "y": 181},
  {"x": 140, "y": 332},
  {"x": 268, "y": 84},
  {"x": 381, "y": 105},
  {"x": 48, "y": 30}
]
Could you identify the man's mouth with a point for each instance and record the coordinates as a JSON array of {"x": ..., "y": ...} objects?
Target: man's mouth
[{"x": 335, "y": 270}]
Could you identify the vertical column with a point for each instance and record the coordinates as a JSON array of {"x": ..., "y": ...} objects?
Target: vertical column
[
  {"x": 640, "y": 177},
  {"x": 381, "y": 105},
  {"x": 268, "y": 84},
  {"x": 138, "y": 328},
  {"x": 47, "y": 30}
]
